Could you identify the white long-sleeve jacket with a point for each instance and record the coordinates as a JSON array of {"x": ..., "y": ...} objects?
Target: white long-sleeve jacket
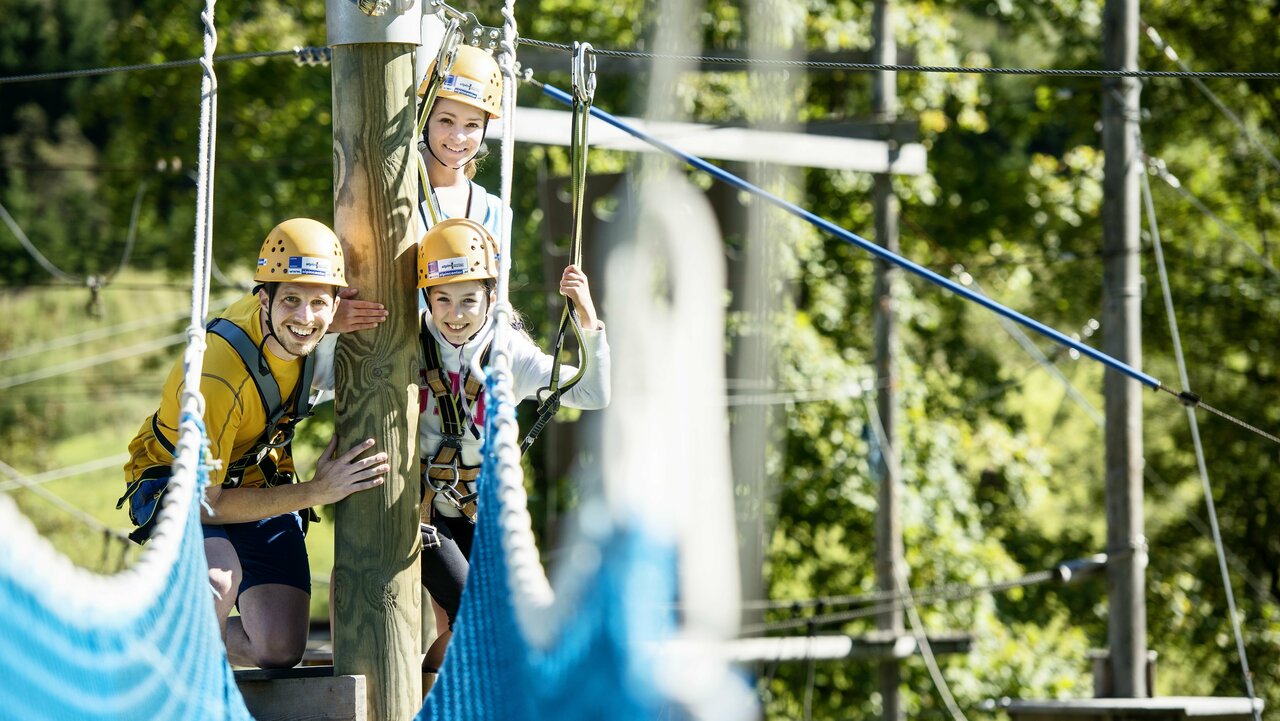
[{"x": 531, "y": 371}]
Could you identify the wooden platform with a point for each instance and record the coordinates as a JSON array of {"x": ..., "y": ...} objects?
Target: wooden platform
[
  {"x": 1167, "y": 708},
  {"x": 307, "y": 693}
]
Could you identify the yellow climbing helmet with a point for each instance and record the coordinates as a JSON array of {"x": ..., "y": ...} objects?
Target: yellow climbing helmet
[
  {"x": 456, "y": 250},
  {"x": 474, "y": 80},
  {"x": 301, "y": 250}
]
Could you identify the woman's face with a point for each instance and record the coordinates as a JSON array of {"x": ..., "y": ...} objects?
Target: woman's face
[
  {"x": 455, "y": 131},
  {"x": 459, "y": 310}
]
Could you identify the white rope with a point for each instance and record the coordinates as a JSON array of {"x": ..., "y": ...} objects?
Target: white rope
[
  {"x": 51, "y": 576},
  {"x": 204, "y": 179},
  {"x": 507, "y": 64},
  {"x": 532, "y": 596},
  {"x": 1219, "y": 547},
  {"x": 619, "y": 500}
]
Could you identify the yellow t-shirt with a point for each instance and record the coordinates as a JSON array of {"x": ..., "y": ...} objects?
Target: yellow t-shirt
[{"x": 233, "y": 416}]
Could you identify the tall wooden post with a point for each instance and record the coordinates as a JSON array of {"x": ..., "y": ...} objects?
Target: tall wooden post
[
  {"x": 1121, "y": 339},
  {"x": 377, "y": 584},
  {"x": 884, "y": 99}
]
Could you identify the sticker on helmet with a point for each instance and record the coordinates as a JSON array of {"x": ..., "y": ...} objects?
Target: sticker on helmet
[
  {"x": 306, "y": 265},
  {"x": 262, "y": 262},
  {"x": 463, "y": 86},
  {"x": 446, "y": 267}
]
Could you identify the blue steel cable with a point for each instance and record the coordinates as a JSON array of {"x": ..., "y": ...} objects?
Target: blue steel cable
[{"x": 870, "y": 247}]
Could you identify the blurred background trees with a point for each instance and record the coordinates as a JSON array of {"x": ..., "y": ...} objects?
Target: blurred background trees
[{"x": 1002, "y": 467}]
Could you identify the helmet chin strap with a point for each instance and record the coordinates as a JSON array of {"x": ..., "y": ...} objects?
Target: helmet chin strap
[
  {"x": 470, "y": 337},
  {"x": 271, "y": 331},
  {"x": 487, "y": 310},
  {"x": 468, "y": 160}
]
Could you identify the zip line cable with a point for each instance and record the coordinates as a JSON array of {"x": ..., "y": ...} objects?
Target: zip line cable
[
  {"x": 34, "y": 252},
  {"x": 902, "y": 583},
  {"x": 1024, "y": 340},
  {"x": 321, "y": 56},
  {"x": 131, "y": 235},
  {"x": 889, "y": 67},
  {"x": 61, "y": 504},
  {"x": 1218, "y": 545},
  {"x": 1249, "y": 135},
  {"x": 92, "y": 281},
  {"x": 1186, "y": 398},
  {"x": 39, "y": 479},
  {"x": 1066, "y": 571},
  {"x": 302, "y": 55},
  {"x": 80, "y": 364},
  {"x": 889, "y": 600},
  {"x": 1158, "y": 166},
  {"x": 102, "y": 333},
  {"x": 1148, "y": 472}
]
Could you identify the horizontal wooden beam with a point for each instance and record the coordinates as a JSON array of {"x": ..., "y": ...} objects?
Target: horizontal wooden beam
[{"x": 552, "y": 127}]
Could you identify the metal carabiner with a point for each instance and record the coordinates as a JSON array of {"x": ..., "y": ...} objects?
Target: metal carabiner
[
  {"x": 440, "y": 8},
  {"x": 439, "y": 485},
  {"x": 583, "y": 72},
  {"x": 448, "y": 48}
]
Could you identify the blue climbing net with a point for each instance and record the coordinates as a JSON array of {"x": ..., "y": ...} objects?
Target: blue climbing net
[
  {"x": 143, "y": 644},
  {"x": 600, "y": 662}
]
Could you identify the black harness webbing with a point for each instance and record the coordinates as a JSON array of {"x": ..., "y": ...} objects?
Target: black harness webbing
[
  {"x": 278, "y": 433},
  {"x": 444, "y": 472},
  {"x": 280, "y": 422}
]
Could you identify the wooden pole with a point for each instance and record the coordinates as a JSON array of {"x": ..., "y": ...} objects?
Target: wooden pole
[
  {"x": 377, "y": 584},
  {"x": 889, "y": 551},
  {"x": 1121, "y": 339}
]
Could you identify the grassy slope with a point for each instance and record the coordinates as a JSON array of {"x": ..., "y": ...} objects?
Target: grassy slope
[{"x": 91, "y": 414}]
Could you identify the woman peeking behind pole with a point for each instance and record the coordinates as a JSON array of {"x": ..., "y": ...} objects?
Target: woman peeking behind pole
[{"x": 453, "y": 140}]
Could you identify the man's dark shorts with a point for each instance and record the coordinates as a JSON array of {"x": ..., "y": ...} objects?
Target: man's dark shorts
[{"x": 272, "y": 550}]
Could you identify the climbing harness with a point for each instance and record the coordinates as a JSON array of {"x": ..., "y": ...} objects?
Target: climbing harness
[
  {"x": 144, "y": 494},
  {"x": 583, "y": 75},
  {"x": 453, "y": 251},
  {"x": 299, "y": 250},
  {"x": 445, "y": 473}
]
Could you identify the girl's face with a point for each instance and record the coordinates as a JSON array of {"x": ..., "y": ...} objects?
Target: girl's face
[
  {"x": 459, "y": 310},
  {"x": 455, "y": 131}
]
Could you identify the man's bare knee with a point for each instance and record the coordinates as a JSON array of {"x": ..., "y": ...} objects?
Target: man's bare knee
[{"x": 279, "y": 652}]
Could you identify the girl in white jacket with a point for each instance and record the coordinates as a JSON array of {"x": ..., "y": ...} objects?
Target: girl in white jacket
[{"x": 457, "y": 265}]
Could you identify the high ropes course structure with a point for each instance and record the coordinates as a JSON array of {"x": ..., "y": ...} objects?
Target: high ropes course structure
[{"x": 603, "y": 640}]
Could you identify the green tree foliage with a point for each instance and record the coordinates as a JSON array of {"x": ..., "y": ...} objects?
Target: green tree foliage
[{"x": 1003, "y": 472}]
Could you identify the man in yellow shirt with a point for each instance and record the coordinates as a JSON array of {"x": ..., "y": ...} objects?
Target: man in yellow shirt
[{"x": 256, "y": 384}]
